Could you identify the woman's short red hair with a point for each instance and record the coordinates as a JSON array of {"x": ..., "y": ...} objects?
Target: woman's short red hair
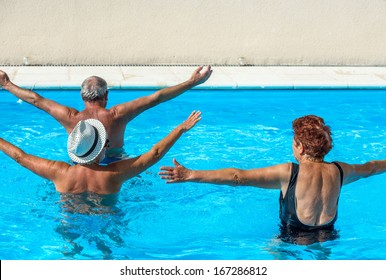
[{"x": 314, "y": 134}]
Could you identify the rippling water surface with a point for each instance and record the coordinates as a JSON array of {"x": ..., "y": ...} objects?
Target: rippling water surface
[{"x": 149, "y": 219}]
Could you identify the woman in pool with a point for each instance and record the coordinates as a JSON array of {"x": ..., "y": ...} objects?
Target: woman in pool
[{"x": 310, "y": 189}]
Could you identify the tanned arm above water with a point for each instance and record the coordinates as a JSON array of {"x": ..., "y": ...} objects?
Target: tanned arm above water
[
  {"x": 131, "y": 167},
  {"x": 62, "y": 114},
  {"x": 129, "y": 110},
  {"x": 45, "y": 168},
  {"x": 354, "y": 172},
  {"x": 272, "y": 177}
]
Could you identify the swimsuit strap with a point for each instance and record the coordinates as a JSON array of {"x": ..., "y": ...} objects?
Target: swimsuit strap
[
  {"x": 294, "y": 175},
  {"x": 287, "y": 202},
  {"x": 340, "y": 172}
]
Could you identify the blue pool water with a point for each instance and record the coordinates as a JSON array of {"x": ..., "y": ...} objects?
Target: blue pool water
[{"x": 152, "y": 220}]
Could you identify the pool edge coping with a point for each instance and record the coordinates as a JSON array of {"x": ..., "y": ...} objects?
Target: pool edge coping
[{"x": 223, "y": 77}]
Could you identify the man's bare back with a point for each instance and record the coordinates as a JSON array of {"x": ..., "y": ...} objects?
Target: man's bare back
[{"x": 89, "y": 176}]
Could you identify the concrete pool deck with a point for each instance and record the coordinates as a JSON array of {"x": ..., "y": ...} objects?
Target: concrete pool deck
[{"x": 223, "y": 77}]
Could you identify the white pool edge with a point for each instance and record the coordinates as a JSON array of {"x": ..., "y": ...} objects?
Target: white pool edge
[{"x": 223, "y": 77}]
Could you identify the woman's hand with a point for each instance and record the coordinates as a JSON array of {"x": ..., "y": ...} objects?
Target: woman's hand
[{"x": 176, "y": 174}]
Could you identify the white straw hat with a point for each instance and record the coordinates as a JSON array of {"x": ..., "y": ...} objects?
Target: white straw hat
[{"x": 86, "y": 141}]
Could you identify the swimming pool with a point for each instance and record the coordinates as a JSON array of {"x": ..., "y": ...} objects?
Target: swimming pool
[{"x": 152, "y": 220}]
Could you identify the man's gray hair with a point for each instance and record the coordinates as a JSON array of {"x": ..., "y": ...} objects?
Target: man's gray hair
[{"x": 93, "y": 88}]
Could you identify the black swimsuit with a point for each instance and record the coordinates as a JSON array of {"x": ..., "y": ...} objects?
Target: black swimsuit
[{"x": 288, "y": 214}]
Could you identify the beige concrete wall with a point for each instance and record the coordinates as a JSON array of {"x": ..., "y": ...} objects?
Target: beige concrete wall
[{"x": 264, "y": 32}]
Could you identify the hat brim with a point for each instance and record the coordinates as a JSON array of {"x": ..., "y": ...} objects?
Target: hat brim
[{"x": 102, "y": 135}]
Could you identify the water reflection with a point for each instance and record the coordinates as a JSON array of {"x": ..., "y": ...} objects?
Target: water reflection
[
  {"x": 90, "y": 220},
  {"x": 89, "y": 203},
  {"x": 292, "y": 243},
  {"x": 301, "y": 237}
]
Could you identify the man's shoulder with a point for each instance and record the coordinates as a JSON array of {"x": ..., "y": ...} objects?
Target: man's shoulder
[{"x": 100, "y": 112}]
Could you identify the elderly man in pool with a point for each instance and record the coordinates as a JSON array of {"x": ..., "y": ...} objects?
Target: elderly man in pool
[
  {"x": 309, "y": 190},
  {"x": 86, "y": 146},
  {"x": 95, "y": 95}
]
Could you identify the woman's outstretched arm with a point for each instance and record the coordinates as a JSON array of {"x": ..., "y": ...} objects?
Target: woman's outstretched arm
[{"x": 272, "y": 177}]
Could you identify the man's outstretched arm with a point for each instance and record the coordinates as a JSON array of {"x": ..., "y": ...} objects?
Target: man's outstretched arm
[
  {"x": 129, "y": 110},
  {"x": 133, "y": 166},
  {"x": 61, "y": 113},
  {"x": 47, "y": 169}
]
